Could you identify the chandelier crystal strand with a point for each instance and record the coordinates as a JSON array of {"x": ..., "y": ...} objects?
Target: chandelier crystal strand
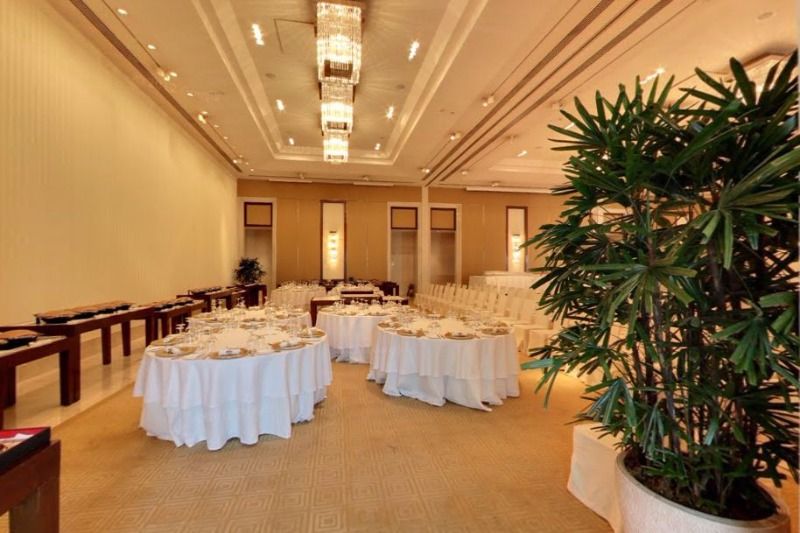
[
  {"x": 335, "y": 147},
  {"x": 338, "y": 42},
  {"x": 337, "y": 107}
]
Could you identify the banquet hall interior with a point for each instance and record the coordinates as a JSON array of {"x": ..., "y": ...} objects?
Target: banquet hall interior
[{"x": 270, "y": 265}]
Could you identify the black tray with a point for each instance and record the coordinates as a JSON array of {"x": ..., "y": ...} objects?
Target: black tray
[{"x": 39, "y": 438}]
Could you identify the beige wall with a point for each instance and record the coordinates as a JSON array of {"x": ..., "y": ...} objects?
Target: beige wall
[
  {"x": 483, "y": 218},
  {"x": 102, "y": 194}
]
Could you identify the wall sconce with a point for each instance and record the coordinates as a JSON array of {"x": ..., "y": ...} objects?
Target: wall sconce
[
  {"x": 516, "y": 242},
  {"x": 333, "y": 245}
]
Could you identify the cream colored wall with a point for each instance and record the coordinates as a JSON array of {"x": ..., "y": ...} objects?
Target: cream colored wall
[
  {"x": 102, "y": 194},
  {"x": 483, "y": 224}
]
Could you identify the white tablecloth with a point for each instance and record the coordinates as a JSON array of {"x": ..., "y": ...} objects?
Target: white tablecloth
[
  {"x": 364, "y": 288},
  {"x": 467, "y": 372},
  {"x": 295, "y": 296},
  {"x": 350, "y": 336},
  {"x": 192, "y": 400},
  {"x": 592, "y": 472}
]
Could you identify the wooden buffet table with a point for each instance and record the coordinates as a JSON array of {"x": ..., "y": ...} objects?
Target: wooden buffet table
[
  {"x": 69, "y": 368},
  {"x": 170, "y": 318},
  {"x": 30, "y": 489},
  {"x": 254, "y": 294},
  {"x": 228, "y": 294}
]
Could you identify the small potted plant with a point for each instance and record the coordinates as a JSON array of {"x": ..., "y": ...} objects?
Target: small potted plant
[
  {"x": 249, "y": 271},
  {"x": 674, "y": 272}
]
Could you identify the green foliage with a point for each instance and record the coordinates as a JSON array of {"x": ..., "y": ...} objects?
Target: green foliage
[
  {"x": 249, "y": 271},
  {"x": 683, "y": 293}
]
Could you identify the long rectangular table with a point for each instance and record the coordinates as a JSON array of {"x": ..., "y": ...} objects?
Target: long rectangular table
[
  {"x": 104, "y": 323},
  {"x": 228, "y": 294},
  {"x": 69, "y": 368},
  {"x": 169, "y": 318},
  {"x": 29, "y": 491}
]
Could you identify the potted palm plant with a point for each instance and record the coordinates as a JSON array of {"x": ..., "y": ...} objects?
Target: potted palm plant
[
  {"x": 249, "y": 271},
  {"x": 673, "y": 270}
]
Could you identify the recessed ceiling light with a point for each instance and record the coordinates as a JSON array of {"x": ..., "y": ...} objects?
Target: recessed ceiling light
[
  {"x": 241, "y": 156},
  {"x": 151, "y": 47},
  {"x": 202, "y": 118},
  {"x": 235, "y": 161},
  {"x": 495, "y": 184},
  {"x": 522, "y": 153},
  {"x": 390, "y": 112},
  {"x": 252, "y": 170},
  {"x": 122, "y": 11},
  {"x": 464, "y": 172},
  {"x": 291, "y": 141},
  {"x": 258, "y": 35},
  {"x": 426, "y": 170},
  {"x": 280, "y": 105},
  {"x": 455, "y": 135},
  {"x": 190, "y": 94},
  {"x": 412, "y": 50},
  {"x": 173, "y": 73},
  {"x": 489, "y": 100},
  {"x": 216, "y": 125},
  {"x": 225, "y": 137},
  {"x": 377, "y": 146}
]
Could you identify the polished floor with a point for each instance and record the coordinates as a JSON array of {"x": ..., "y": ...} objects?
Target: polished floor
[{"x": 367, "y": 462}]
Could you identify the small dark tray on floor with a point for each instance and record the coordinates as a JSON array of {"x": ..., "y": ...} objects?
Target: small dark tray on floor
[{"x": 38, "y": 438}]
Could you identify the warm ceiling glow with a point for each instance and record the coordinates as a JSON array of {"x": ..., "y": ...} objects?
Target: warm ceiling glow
[
  {"x": 522, "y": 153},
  {"x": 122, "y": 11},
  {"x": 258, "y": 35},
  {"x": 377, "y": 146},
  {"x": 412, "y": 50},
  {"x": 190, "y": 94},
  {"x": 291, "y": 141},
  {"x": 390, "y": 112},
  {"x": 151, "y": 47},
  {"x": 280, "y": 105}
]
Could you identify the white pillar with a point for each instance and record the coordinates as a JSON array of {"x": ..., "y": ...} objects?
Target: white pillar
[{"x": 424, "y": 242}]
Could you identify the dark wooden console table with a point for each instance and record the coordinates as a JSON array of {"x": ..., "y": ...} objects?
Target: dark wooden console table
[
  {"x": 29, "y": 491},
  {"x": 69, "y": 367}
]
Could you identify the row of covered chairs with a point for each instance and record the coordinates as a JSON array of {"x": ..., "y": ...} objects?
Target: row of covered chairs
[{"x": 519, "y": 307}]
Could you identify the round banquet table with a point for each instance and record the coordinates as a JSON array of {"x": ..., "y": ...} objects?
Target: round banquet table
[
  {"x": 294, "y": 296},
  {"x": 351, "y": 330},
  {"x": 196, "y": 398},
  {"x": 433, "y": 369}
]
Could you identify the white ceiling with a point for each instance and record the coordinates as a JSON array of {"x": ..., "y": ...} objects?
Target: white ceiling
[{"x": 533, "y": 56}]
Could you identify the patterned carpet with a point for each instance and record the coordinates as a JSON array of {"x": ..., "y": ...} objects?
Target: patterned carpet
[{"x": 368, "y": 462}]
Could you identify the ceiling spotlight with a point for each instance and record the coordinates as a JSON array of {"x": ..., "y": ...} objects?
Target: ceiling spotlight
[
  {"x": 522, "y": 153},
  {"x": 258, "y": 35},
  {"x": 412, "y": 50},
  {"x": 377, "y": 146},
  {"x": 487, "y": 101},
  {"x": 390, "y": 112},
  {"x": 455, "y": 135},
  {"x": 201, "y": 117},
  {"x": 225, "y": 137},
  {"x": 280, "y": 105},
  {"x": 495, "y": 184},
  {"x": 252, "y": 170},
  {"x": 151, "y": 47},
  {"x": 173, "y": 73},
  {"x": 426, "y": 170},
  {"x": 291, "y": 141},
  {"x": 216, "y": 125},
  {"x": 464, "y": 172},
  {"x": 365, "y": 178},
  {"x": 190, "y": 94},
  {"x": 235, "y": 161},
  {"x": 122, "y": 11}
]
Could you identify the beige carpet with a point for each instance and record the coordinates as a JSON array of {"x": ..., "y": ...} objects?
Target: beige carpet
[{"x": 368, "y": 462}]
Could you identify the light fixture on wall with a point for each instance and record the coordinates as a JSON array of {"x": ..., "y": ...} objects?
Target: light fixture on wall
[
  {"x": 335, "y": 147},
  {"x": 337, "y": 107},
  {"x": 333, "y": 246},
  {"x": 516, "y": 242},
  {"x": 338, "y": 42}
]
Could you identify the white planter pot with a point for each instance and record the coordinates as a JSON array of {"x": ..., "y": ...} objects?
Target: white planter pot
[{"x": 644, "y": 510}]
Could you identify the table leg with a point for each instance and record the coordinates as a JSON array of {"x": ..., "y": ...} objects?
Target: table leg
[
  {"x": 149, "y": 329},
  {"x": 39, "y": 513},
  {"x": 69, "y": 370},
  {"x": 3, "y": 390},
  {"x": 105, "y": 342},
  {"x": 10, "y": 397},
  {"x": 164, "y": 326},
  {"x": 126, "y": 338}
]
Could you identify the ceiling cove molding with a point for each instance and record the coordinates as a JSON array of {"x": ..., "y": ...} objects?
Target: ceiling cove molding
[
  {"x": 576, "y": 31},
  {"x": 626, "y": 32},
  {"x": 220, "y": 16},
  {"x": 131, "y": 58}
]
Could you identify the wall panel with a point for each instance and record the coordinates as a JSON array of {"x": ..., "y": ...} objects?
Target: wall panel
[{"x": 102, "y": 194}]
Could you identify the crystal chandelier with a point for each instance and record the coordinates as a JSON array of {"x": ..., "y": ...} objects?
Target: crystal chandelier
[
  {"x": 338, "y": 42},
  {"x": 335, "y": 147},
  {"x": 337, "y": 107}
]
